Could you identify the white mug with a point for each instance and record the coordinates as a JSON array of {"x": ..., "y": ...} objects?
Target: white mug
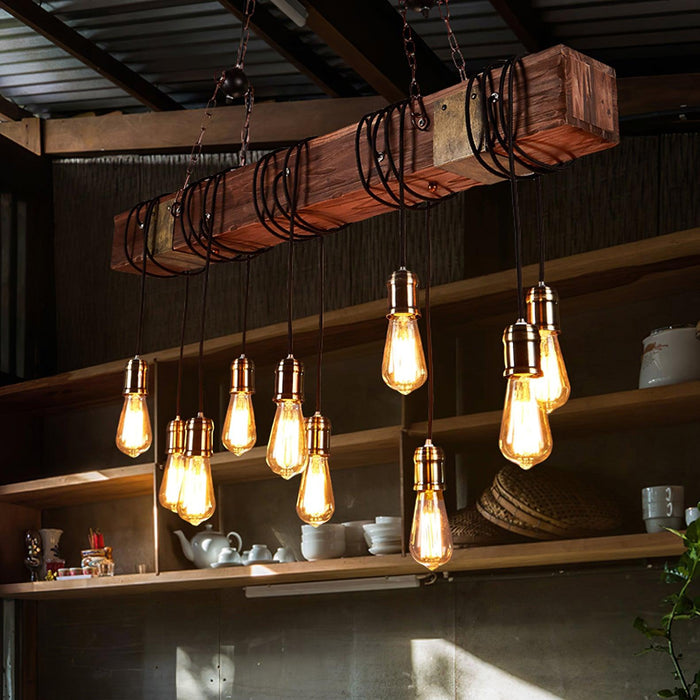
[{"x": 663, "y": 502}]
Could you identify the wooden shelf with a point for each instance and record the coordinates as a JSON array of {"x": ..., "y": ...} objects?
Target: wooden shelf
[
  {"x": 70, "y": 489},
  {"x": 363, "y": 448},
  {"x": 678, "y": 403},
  {"x": 512, "y": 556},
  {"x": 632, "y": 270}
]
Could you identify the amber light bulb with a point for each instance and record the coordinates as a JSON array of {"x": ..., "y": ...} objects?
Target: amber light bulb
[
  {"x": 169, "y": 493},
  {"x": 430, "y": 543},
  {"x": 552, "y": 388},
  {"x": 239, "y": 434},
  {"x": 287, "y": 453},
  {"x": 134, "y": 434},
  {"x": 315, "y": 502},
  {"x": 196, "y": 502},
  {"x": 525, "y": 438},
  {"x": 403, "y": 363}
]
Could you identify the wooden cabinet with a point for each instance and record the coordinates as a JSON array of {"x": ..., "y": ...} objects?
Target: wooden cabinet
[{"x": 630, "y": 274}]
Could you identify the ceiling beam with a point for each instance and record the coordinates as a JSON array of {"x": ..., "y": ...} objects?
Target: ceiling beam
[
  {"x": 285, "y": 42},
  {"x": 524, "y": 22},
  {"x": 162, "y": 132},
  {"x": 9, "y": 111},
  {"x": 367, "y": 35},
  {"x": 87, "y": 52}
]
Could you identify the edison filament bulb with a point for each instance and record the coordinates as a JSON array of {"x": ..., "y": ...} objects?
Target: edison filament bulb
[
  {"x": 430, "y": 543},
  {"x": 525, "y": 437},
  {"x": 169, "y": 493},
  {"x": 287, "y": 452},
  {"x": 315, "y": 502},
  {"x": 239, "y": 434},
  {"x": 196, "y": 502},
  {"x": 134, "y": 434},
  {"x": 553, "y": 387},
  {"x": 403, "y": 363}
]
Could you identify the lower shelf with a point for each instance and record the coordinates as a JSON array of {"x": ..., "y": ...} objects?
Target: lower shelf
[{"x": 512, "y": 556}]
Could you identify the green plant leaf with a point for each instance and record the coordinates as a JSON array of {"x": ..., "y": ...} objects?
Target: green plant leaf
[{"x": 666, "y": 693}]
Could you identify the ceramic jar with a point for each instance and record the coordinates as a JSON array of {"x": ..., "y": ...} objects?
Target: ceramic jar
[{"x": 671, "y": 355}]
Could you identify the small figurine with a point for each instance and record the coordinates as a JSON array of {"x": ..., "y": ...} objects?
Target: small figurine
[{"x": 32, "y": 561}]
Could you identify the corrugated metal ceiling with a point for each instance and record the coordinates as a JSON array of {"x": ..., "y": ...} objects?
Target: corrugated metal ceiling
[{"x": 180, "y": 45}]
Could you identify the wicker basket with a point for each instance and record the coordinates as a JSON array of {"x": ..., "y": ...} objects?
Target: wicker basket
[
  {"x": 548, "y": 504},
  {"x": 470, "y": 528}
]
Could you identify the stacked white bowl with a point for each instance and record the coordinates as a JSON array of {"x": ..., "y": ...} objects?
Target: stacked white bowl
[
  {"x": 384, "y": 535},
  {"x": 355, "y": 544},
  {"x": 326, "y": 541}
]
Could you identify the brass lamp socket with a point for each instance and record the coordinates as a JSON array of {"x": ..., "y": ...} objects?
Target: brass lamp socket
[
  {"x": 318, "y": 435},
  {"x": 242, "y": 375},
  {"x": 175, "y": 437},
  {"x": 429, "y": 468},
  {"x": 200, "y": 437},
  {"x": 521, "y": 349},
  {"x": 543, "y": 307},
  {"x": 403, "y": 293},
  {"x": 136, "y": 377},
  {"x": 289, "y": 380}
]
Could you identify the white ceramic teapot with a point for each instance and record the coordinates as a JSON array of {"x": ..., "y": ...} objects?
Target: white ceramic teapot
[{"x": 205, "y": 546}]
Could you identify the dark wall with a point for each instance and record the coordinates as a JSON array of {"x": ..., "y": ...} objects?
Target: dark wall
[{"x": 536, "y": 635}]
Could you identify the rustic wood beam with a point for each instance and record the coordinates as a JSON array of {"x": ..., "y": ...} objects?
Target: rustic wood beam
[
  {"x": 266, "y": 26},
  {"x": 367, "y": 35},
  {"x": 639, "y": 96},
  {"x": 66, "y": 38},
  {"x": 524, "y": 22},
  {"x": 570, "y": 111},
  {"x": 12, "y": 112}
]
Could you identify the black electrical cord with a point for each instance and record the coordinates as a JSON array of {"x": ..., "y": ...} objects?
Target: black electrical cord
[
  {"x": 321, "y": 304},
  {"x": 540, "y": 228},
  {"x": 183, "y": 326},
  {"x": 428, "y": 322},
  {"x": 205, "y": 287},
  {"x": 246, "y": 294}
]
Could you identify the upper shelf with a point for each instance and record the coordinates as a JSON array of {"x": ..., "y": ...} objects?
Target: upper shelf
[
  {"x": 677, "y": 403},
  {"x": 509, "y": 556},
  {"x": 632, "y": 270}
]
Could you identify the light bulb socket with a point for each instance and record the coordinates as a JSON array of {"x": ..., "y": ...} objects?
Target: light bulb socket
[
  {"x": 175, "y": 437},
  {"x": 136, "y": 377},
  {"x": 429, "y": 468},
  {"x": 318, "y": 435},
  {"x": 199, "y": 437},
  {"x": 289, "y": 380},
  {"x": 403, "y": 293},
  {"x": 242, "y": 375},
  {"x": 543, "y": 307},
  {"x": 521, "y": 349}
]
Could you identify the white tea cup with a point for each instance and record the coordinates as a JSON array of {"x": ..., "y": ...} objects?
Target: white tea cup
[{"x": 691, "y": 515}]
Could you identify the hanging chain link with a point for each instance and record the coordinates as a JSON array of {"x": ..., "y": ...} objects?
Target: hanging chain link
[
  {"x": 245, "y": 130},
  {"x": 419, "y": 116},
  {"x": 245, "y": 33},
  {"x": 455, "y": 50},
  {"x": 196, "y": 151}
]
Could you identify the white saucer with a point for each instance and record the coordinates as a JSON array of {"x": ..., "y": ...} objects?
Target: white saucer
[
  {"x": 224, "y": 564},
  {"x": 388, "y": 549}
]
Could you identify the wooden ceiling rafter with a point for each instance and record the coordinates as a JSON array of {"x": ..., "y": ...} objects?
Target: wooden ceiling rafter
[
  {"x": 268, "y": 28},
  {"x": 9, "y": 111},
  {"x": 381, "y": 63},
  {"x": 87, "y": 52},
  {"x": 525, "y": 22}
]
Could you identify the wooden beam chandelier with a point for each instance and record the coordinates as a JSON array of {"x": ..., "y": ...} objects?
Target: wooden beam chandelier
[{"x": 520, "y": 118}]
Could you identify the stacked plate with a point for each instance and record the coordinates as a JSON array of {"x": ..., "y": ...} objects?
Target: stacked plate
[
  {"x": 384, "y": 535},
  {"x": 355, "y": 543},
  {"x": 323, "y": 542}
]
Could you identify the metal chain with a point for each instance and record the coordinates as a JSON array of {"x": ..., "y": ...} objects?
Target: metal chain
[
  {"x": 245, "y": 130},
  {"x": 196, "y": 151},
  {"x": 245, "y": 33},
  {"x": 419, "y": 116},
  {"x": 455, "y": 50}
]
